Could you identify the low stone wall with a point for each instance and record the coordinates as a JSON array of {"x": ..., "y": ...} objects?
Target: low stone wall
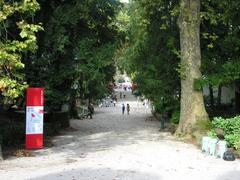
[{"x": 12, "y": 125}]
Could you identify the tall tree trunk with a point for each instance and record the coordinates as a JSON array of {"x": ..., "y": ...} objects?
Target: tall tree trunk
[
  {"x": 192, "y": 104},
  {"x": 81, "y": 90},
  {"x": 237, "y": 101},
  {"x": 72, "y": 101},
  {"x": 1, "y": 156},
  {"x": 219, "y": 96},
  {"x": 237, "y": 96},
  {"x": 211, "y": 96}
]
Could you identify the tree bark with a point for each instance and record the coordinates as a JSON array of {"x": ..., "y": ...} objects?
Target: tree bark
[
  {"x": 192, "y": 104},
  {"x": 237, "y": 102},
  {"x": 211, "y": 96},
  {"x": 219, "y": 97},
  {"x": 1, "y": 156},
  {"x": 237, "y": 96}
]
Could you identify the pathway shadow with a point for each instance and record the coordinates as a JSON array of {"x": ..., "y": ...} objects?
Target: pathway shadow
[
  {"x": 107, "y": 130},
  {"x": 92, "y": 136},
  {"x": 232, "y": 175},
  {"x": 99, "y": 174}
]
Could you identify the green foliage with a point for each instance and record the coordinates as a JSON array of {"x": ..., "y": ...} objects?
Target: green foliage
[
  {"x": 219, "y": 43},
  {"x": 17, "y": 36},
  {"x": 230, "y": 72},
  {"x": 233, "y": 140},
  {"x": 231, "y": 129},
  {"x": 229, "y": 126},
  {"x": 149, "y": 51},
  {"x": 9, "y": 130},
  {"x": 212, "y": 133},
  {"x": 11, "y": 90},
  {"x": 12, "y": 126},
  {"x": 175, "y": 117},
  {"x": 75, "y": 55}
]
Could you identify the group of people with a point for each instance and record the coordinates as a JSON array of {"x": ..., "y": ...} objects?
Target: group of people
[
  {"x": 111, "y": 101},
  {"x": 129, "y": 88},
  {"x": 105, "y": 103},
  {"x": 123, "y": 108},
  {"x": 114, "y": 99}
]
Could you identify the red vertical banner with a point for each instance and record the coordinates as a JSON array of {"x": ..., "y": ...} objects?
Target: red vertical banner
[{"x": 34, "y": 118}]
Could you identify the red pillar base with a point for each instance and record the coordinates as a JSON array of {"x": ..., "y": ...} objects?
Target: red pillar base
[{"x": 34, "y": 141}]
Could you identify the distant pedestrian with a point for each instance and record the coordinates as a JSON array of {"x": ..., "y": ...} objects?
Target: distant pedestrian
[
  {"x": 124, "y": 96},
  {"x": 128, "y": 109},
  {"x": 120, "y": 95},
  {"x": 123, "y": 108}
]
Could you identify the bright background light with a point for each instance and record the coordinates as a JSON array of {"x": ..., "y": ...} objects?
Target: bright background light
[{"x": 125, "y": 1}]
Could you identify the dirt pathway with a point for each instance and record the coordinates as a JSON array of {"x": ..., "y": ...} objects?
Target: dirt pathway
[{"x": 112, "y": 146}]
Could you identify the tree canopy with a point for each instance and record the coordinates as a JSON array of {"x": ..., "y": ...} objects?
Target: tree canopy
[
  {"x": 74, "y": 58},
  {"x": 72, "y": 48},
  {"x": 17, "y": 36},
  {"x": 150, "y": 51}
]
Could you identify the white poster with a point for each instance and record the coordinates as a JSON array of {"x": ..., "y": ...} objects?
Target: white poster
[{"x": 34, "y": 117}]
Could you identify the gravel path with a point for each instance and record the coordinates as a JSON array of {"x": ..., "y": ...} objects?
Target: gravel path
[{"x": 112, "y": 146}]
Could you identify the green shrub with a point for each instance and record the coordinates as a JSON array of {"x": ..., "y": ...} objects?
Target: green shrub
[
  {"x": 12, "y": 126},
  {"x": 11, "y": 132},
  {"x": 231, "y": 129},
  {"x": 229, "y": 125},
  {"x": 233, "y": 140},
  {"x": 175, "y": 117},
  {"x": 212, "y": 134}
]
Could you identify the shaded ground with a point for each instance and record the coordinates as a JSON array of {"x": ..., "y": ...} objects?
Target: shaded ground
[{"x": 112, "y": 146}]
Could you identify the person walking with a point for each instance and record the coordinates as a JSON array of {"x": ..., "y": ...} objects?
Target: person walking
[
  {"x": 123, "y": 108},
  {"x": 128, "y": 109}
]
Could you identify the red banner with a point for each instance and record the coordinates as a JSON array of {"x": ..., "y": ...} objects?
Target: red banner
[
  {"x": 34, "y": 118},
  {"x": 35, "y": 97}
]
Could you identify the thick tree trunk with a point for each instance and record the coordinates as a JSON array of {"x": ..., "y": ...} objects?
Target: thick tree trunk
[
  {"x": 211, "y": 96},
  {"x": 219, "y": 96},
  {"x": 237, "y": 96},
  {"x": 192, "y": 104},
  {"x": 237, "y": 102},
  {"x": 1, "y": 156}
]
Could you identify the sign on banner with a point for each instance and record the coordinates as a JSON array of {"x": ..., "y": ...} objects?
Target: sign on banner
[
  {"x": 34, "y": 118},
  {"x": 34, "y": 123}
]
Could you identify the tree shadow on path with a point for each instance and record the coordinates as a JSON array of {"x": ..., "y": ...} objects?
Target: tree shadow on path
[
  {"x": 105, "y": 132},
  {"x": 232, "y": 175},
  {"x": 99, "y": 174}
]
